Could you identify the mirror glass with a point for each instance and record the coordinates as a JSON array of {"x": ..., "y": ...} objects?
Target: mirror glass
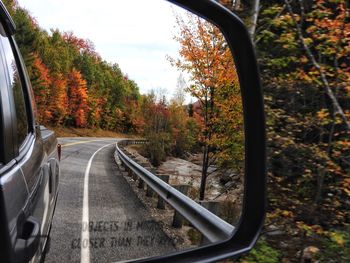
[{"x": 150, "y": 71}]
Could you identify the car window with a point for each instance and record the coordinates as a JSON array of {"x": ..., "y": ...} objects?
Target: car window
[{"x": 16, "y": 85}]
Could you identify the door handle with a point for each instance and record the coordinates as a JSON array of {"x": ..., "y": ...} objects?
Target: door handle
[{"x": 28, "y": 240}]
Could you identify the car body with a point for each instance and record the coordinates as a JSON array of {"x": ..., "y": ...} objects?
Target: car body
[{"x": 29, "y": 159}]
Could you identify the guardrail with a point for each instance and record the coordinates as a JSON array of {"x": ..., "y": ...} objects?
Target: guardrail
[{"x": 212, "y": 227}]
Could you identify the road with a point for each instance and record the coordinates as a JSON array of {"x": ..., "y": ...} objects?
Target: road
[{"x": 97, "y": 206}]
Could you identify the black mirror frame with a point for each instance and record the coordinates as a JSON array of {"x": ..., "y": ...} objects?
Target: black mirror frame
[{"x": 254, "y": 204}]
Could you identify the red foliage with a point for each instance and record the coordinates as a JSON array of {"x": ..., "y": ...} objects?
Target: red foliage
[{"x": 80, "y": 44}]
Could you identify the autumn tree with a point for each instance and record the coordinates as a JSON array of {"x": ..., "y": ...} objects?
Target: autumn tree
[
  {"x": 157, "y": 127},
  {"x": 58, "y": 101},
  {"x": 206, "y": 57},
  {"x": 41, "y": 82},
  {"x": 77, "y": 99}
]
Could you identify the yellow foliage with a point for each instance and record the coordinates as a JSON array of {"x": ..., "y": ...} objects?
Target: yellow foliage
[
  {"x": 337, "y": 238},
  {"x": 322, "y": 114}
]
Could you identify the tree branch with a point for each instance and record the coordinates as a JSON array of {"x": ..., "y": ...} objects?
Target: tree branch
[{"x": 337, "y": 108}]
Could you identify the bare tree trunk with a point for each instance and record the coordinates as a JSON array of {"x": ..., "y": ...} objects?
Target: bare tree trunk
[
  {"x": 204, "y": 172},
  {"x": 254, "y": 18},
  {"x": 208, "y": 116},
  {"x": 205, "y": 149}
]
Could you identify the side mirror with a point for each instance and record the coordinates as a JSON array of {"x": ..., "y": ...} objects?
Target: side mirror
[
  {"x": 246, "y": 231},
  {"x": 235, "y": 142}
]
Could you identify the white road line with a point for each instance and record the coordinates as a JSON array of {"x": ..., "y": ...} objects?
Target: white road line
[{"x": 85, "y": 235}]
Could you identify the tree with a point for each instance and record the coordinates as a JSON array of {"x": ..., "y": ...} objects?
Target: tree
[
  {"x": 254, "y": 18},
  {"x": 179, "y": 95},
  {"x": 58, "y": 101},
  {"x": 206, "y": 57},
  {"x": 157, "y": 127},
  {"x": 183, "y": 137},
  {"x": 41, "y": 82},
  {"x": 77, "y": 99}
]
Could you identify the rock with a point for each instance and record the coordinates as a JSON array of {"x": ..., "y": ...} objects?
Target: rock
[
  {"x": 283, "y": 244},
  {"x": 224, "y": 179},
  {"x": 229, "y": 184},
  {"x": 275, "y": 233},
  {"x": 273, "y": 230},
  {"x": 272, "y": 227}
]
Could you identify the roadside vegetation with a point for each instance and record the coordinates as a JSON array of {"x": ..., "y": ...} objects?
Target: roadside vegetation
[{"x": 85, "y": 132}]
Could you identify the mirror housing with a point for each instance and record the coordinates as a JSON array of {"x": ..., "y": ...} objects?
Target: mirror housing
[{"x": 247, "y": 231}]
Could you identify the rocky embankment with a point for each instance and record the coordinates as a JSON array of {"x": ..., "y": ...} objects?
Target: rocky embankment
[{"x": 227, "y": 189}]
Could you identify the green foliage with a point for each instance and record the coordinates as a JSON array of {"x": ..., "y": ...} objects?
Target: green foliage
[
  {"x": 192, "y": 134},
  {"x": 336, "y": 248},
  {"x": 168, "y": 128},
  {"x": 262, "y": 253},
  {"x": 158, "y": 147}
]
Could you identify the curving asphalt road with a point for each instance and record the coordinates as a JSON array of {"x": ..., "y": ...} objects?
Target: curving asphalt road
[{"x": 116, "y": 225}]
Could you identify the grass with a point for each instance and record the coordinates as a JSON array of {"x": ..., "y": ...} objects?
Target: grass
[{"x": 262, "y": 253}]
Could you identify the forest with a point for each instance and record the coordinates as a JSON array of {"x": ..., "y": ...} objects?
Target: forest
[{"x": 303, "y": 52}]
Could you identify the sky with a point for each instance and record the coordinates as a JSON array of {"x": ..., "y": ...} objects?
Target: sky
[{"x": 136, "y": 34}]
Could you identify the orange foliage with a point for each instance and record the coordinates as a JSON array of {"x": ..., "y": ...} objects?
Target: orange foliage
[
  {"x": 41, "y": 88},
  {"x": 205, "y": 55},
  {"x": 57, "y": 102},
  {"x": 77, "y": 98}
]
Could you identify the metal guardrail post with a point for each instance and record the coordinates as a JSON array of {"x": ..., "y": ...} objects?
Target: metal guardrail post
[
  {"x": 149, "y": 191},
  {"x": 130, "y": 173},
  {"x": 161, "y": 203},
  {"x": 146, "y": 166},
  {"x": 141, "y": 184},
  {"x": 134, "y": 176},
  {"x": 178, "y": 218},
  {"x": 214, "y": 207}
]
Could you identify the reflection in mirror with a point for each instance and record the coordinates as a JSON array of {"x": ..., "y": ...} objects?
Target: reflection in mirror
[
  {"x": 171, "y": 82},
  {"x": 193, "y": 131}
]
